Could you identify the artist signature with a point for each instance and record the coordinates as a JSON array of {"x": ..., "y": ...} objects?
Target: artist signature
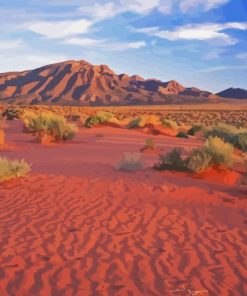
[{"x": 188, "y": 292}]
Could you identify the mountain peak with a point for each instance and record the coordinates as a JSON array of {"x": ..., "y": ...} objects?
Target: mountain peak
[
  {"x": 81, "y": 83},
  {"x": 233, "y": 93}
]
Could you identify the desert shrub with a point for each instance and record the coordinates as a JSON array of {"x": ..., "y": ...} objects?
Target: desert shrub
[
  {"x": 149, "y": 119},
  {"x": 10, "y": 169},
  {"x": 182, "y": 135},
  {"x": 229, "y": 134},
  {"x": 99, "y": 118},
  {"x": 169, "y": 124},
  {"x": 11, "y": 113},
  {"x": 134, "y": 123},
  {"x": 172, "y": 161},
  {"x": 194, "y": 129},
  {"x": 220, "y": 151},
  {"x": 27, "y": 118},
  {"x": 149, "y": 143},
  {"x": 241, "y": 141},
  {"x": 52, "y": 126},
  {"x": 199, "y": 160},
  {"x": 223, "y": 131},
  {"x": 130, "y": 162}
]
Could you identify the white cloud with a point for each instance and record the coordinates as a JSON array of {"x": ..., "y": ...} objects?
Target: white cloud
[
  {"x": 104, "y": 44},
  {"x": 242, "y": 56},
  {"x": 13, "y": 62},
  {"x": 207, "y": 5},
  {"x": 106, "y": 9},
  {"x": 11, "y": 44},
  {"x": 59, "y": 29},
  {"x": 207, "y": 31},
  {"x": 82, "y": 41}
]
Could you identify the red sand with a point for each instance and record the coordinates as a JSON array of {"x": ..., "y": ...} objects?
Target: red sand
[{"x": 76, "y": 226}]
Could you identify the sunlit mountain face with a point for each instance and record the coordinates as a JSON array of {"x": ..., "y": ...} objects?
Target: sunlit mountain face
[{"x": 198, "y": 43}]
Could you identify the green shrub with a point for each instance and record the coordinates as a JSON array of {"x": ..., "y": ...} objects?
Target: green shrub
[
  {"x": 134, "y": 123},
  {"x": 194, "y": 129},
  {"x": 241, "y": 141},
  {"x": 172, "y": 161},
  {"x": 10, "y": 169},
  {"x": 50, "y": 125},
  {"x": 229, "y": 134},
  {"x": 149, "y": 143},
  {"x": 11, "y": 114},
  {"x": 215, "y": 152},
  {"x": 169, "y": 123},
  {"x": 99, "y": 118},
  {"x": 220, "y": 152},
  {"x": 130, "y": 162},
  {"x": 199, "y": 160},
  {"x": 182, "y": 135},
  {"x": 91, "y": 121}
]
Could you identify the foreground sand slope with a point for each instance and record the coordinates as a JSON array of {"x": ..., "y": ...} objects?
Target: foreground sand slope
[
  {"x": 120, "y": 236},
  {"x": 77, "y": 226}
]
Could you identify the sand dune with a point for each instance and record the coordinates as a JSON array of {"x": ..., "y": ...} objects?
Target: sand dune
[
  {"x": 119, "y": 236},
  {"x": 77, "y": 226}
]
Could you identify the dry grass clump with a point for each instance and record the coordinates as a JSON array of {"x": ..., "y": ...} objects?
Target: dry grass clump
[
  {"x": 130, "y": 162},
  {"x": 149, "y": 143},
  {"x": 172, "y": 161},
  {"x": 99, "y": 118},
  {"x": 12, "y": 113},
  {"x": 149, "y": 120},
  {"x": 10, "y": 169},
  {"x": 169, "y": 124},
  {"x": 214, "y": 153},
  {"x": 195, "y": 129},
  {"x": 229, "y": 134},
  {"x": 49, "y": 127}
]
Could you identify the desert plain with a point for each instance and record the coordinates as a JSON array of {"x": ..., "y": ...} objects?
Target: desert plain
[{"x": 76, "y": 225}]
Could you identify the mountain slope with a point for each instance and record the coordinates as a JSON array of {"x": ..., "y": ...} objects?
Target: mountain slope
[
  {"x": 233, "y": 93},
  {"x": 80, "y": 83}
]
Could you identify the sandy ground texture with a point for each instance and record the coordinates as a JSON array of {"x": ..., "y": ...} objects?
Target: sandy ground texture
[{"x": 77, "y": 226}]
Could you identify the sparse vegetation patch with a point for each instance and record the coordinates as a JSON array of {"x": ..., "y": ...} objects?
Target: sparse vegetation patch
[{"x": 10, "y": 169}]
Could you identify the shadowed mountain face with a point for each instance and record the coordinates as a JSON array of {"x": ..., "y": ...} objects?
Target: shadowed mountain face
[
  {"x": 233, "y": 93},
  {"x": 80, "y": 83}
]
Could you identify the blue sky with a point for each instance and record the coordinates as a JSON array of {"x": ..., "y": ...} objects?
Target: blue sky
[{"x": 199, "y": 43}]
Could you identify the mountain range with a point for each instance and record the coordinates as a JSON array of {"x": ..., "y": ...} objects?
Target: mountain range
[{"x": 81, "y": 83}]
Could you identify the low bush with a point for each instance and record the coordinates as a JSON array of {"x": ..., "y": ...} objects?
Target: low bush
[
  {"x": 194, "y": 129},
  {"x": 220, "y": 152},
  {"x": 241, "y": 141},
  {"x": 149, "y": 143},
  {"x": 134, "y": 123},
  {"x": 49, "y": 127},
  {"x": 169, "y": 124},
  {"x": 229, "y": 134},
  {"x": 99, "y": 118},
  {"x": 172, "y": 161},
  {"x": 215, "y": 152},
  {"x": 10, "y": 169},
  {"x": 182, "y": 135},
  {"x": 130, "y": 162},
  {"x": 11, "y": 113},
  {"x": 149, "y": 120},
  {"x": 199, "y": 160}
]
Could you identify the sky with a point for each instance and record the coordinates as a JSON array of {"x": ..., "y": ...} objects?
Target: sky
[{"x": 200, "y": 43}]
